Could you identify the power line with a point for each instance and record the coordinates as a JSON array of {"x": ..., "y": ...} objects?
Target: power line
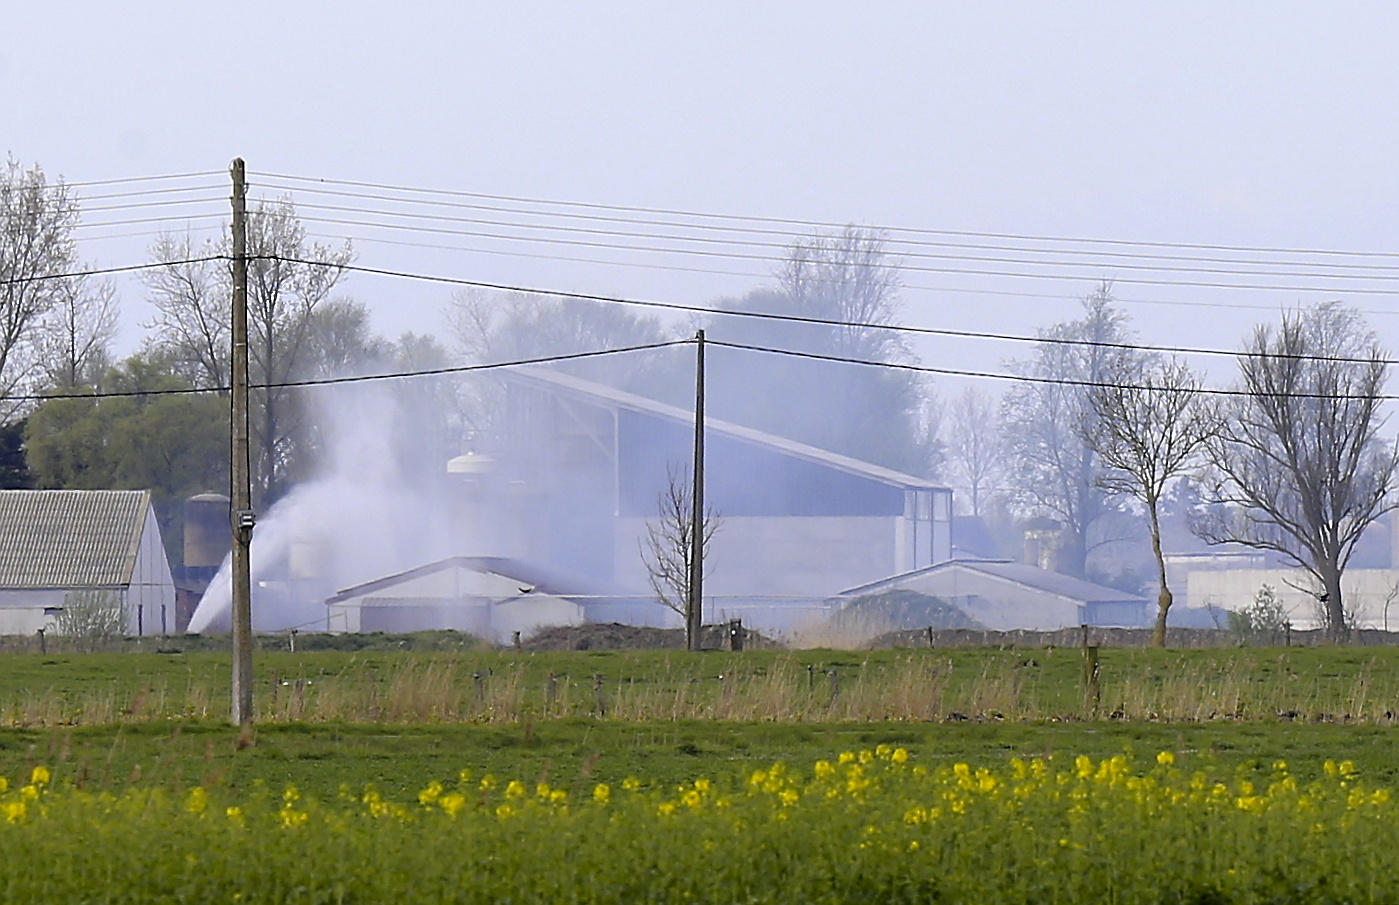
[
  {"x": 790, "y": 235},
  {"x": 1144, "y": 281},
  {"x": 98, "y": 271},
  {"x": 816, "y": 321},
  {"x": 964, "y": 290},
  {"x": 893, "y": 263},
  {"x": 359, "y": 378},
  {"x": 132, "y": 179},
  {"x": 1030, "y": 378},
  {"x": 828, "y": 224}
]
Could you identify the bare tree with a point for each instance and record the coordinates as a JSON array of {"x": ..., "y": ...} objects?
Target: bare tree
[
  {"x": 289, "y": 278},
  {"x": 1148, "y": 428},
  {"x": 668, "y": 547},
  {"x": 36, "y": 244},
  {"x": 848, "y": 276},
  {"x": 91, "y": 617},
  {"x": 1052, "y": 469},
  {"x": 975, "y": 445},
  {"x": 193, "y": 303},
  {"x": 1298, "y": 460},
  {"x": 75, "y": 337}
]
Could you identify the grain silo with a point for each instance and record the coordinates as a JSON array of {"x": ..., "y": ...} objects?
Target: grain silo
[{"x": 208, "y": 538}]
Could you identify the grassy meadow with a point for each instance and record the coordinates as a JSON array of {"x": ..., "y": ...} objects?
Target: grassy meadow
[{"x": 369, "y": 744}]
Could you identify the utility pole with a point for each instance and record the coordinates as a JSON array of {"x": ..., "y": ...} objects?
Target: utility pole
[
  {"x": 693, "y": 614},
  {"x": 241, "y": 490}
]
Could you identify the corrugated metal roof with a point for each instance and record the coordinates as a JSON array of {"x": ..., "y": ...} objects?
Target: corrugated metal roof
[
  {"x": 1023, "y": 574},
  {"x": 612, "y": 395},
  {"x": 70, "y": 538}
]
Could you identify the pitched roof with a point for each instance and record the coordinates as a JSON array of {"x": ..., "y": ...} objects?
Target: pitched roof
[
  {"x": 542, "y": 580},
  {"x": 1023, "y": 574},
  {"x": 577, "y": 386},
  {"x": 70, "y": 538}
]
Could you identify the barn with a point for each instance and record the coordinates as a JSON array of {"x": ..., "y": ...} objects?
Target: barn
[
  {"x": 82, "y": 548},
  {"x": 1002, "y": 594},
  {"x": 488, "y": 597},
  {"x": 576, "y": 477}
]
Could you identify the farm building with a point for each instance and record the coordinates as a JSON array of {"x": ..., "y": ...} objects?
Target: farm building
[
  {"x": 1001, "y": 594},
  {"x": 90, "y": 548},
  {"x": 577, "y": 476},
  {"x": 489, "y": 597}
]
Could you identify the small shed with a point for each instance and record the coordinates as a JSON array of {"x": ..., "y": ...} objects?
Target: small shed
[
  {"x": 489, "y": 597},
  {"x": 70, "y": 548},
  {"x": 1003, "y": 595}
]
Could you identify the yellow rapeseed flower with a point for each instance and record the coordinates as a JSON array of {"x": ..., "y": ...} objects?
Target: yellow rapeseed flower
[
  {"x": 631, "y": 783},
  {"x": 431, "y": 793},
  {"x": 452, "y": 803},
  {"x": 691, "y": 799},
  {"x": 14, "y": 811},
  {"x": 882, "y": 751},
  {"x": 845, "y": 757},
  {"x": 601, "y": 792},
  {"x": 666, "y": 808},
  {"x": 788, "y": 797},
  {"x": 899, "y": 755},
  {"x": 39, "y": 776},
  {"x": 1165, "y": 758},
  {"x": 515, "y": 789},
  {"x": 197, "y": 800}
]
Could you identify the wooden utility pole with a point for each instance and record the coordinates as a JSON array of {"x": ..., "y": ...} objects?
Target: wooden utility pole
[
  {"x": 694, "y": 620},
  {"x": 241, "y": 493}
]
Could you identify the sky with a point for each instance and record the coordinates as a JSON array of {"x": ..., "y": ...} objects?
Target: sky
[{"x": 1244, "y": 124}]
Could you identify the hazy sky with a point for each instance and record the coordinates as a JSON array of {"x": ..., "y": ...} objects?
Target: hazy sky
[{"x": 1248, "y": 124}]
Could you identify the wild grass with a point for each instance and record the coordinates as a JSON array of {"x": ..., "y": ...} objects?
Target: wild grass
[{"x": 1315, "y": 684}]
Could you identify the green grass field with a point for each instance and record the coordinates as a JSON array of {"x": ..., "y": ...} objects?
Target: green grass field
[
  {"x": 391, "y": 718},
  {"x": 350, "y": 785}
]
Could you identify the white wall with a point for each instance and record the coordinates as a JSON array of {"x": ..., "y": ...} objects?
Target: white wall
[
  {"x": 151, "y": 595},
  {"x": 810, "y": 557},
  {"x": 1364, "y": 592}
]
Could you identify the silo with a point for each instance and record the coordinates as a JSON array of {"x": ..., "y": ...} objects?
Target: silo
[{"x": 208, "y": 536}]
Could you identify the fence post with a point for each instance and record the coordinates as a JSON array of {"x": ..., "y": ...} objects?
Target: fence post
[{"x": 597, "y": 694}]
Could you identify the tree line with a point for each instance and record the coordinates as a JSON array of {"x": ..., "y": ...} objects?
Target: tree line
[{"x": 1099, "y": 437}]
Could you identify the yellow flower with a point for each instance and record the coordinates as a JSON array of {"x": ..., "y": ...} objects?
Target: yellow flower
[
  {"x": 464, "y": 777},
  {"x": 913, "y": 846},
  {"x": 691, "y": 799},
  {"x": 1083, "y": 766},
  {"x": 39, "y": 776},
  {"x": 487, "y": 782},
  {"x": 4, "y": 785},
  {"x": 291, "y": 795},
  {"x": 28, "y": 793},
  {"x": 702, "y": 784},
  {"x": 666, "y": 808},
  {"x": 430, "y": 794},
  {"x": 452, "y": 803},
  {"x": 788, "y": 797},
  {"x": 14, "y": 811},
  {"x": 601, "y": 792},
  {"x": 515, "y": 789},
  {"x": 845, "y": 757},
  {"x": 504, "y": 811},
  {"x": 899, "y": 756},
  {"x": 197, "y": 801},
  {"x": 824, "y": 769},
  {"x": 542, "y": 790},
  {"x": 631, "y": 783},
  {"x": 882, "y": 751},
  {"x": 1165, "y": 758},
  {"x": 292, "y": 818},
  {"x": 866, "y": 756},
  {"x": 234, "y": 813}
]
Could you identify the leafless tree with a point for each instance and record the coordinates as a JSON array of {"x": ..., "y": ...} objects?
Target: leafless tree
[
  {"x": 1298, "y": 460},
  {"x": 75, "y": 337},
  {"x": 1051, "y": 468},
  {"x": 975, "y": 445},
  {"x": 1148, "y": 428},
  {"x": 668, "y": 547},
  {"x": 36, "y": 243},
  {"x": 193, "y": 303},
  {"x": 289, "y": 278},
  {"x": 848, "y": 276}
]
